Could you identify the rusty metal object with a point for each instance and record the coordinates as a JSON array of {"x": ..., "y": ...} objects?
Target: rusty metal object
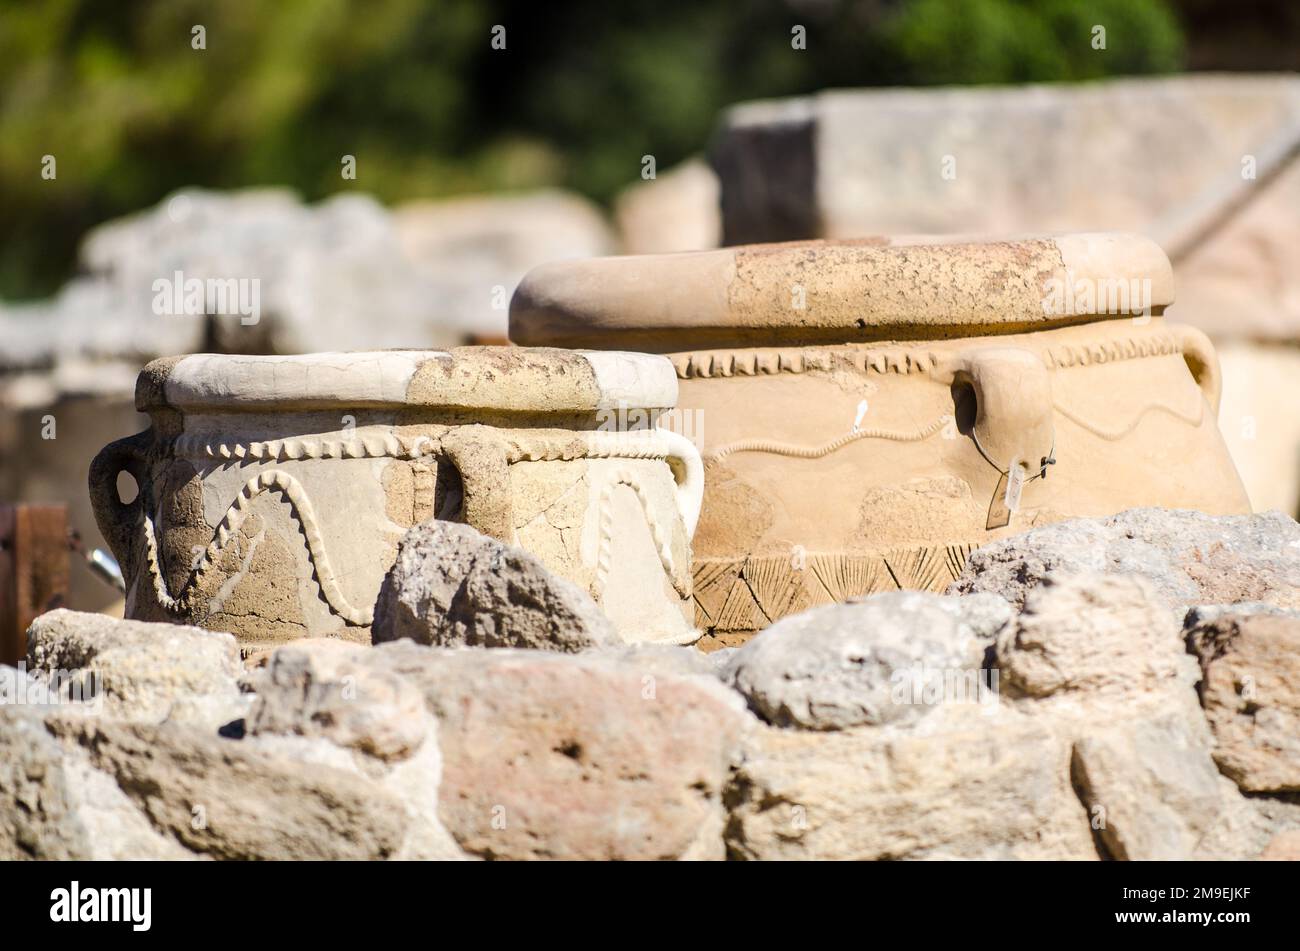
[{"x": 34, "y": 570}]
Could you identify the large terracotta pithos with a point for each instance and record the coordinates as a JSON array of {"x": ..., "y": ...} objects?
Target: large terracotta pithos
[
  {"x": 869, "y": 412},
  {"x": 273, "y": 490}
]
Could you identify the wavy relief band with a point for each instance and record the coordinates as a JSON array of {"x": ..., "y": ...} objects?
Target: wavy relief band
[
  {"x": 230, "y": 525},
  {"x": 1114, "y": 435},
  {"x": 605, "y": 551},
  {"x": 825, "y": 449},
  {"x": 742, "y": 363}
]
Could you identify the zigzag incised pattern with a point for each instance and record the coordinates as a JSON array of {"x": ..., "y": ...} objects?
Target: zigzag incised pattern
[{"x": 741, "y": 595}]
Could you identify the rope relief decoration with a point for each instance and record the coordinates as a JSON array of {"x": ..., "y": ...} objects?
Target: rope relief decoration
[{"x": 634, "y": 447}]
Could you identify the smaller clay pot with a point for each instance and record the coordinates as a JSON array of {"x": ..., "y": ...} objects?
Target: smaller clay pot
[{"x": 272, "y": 491}]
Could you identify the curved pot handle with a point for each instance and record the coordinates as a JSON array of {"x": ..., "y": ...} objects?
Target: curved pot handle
[
  {"x": 117, "y": 520},
  {"x": 688, "y": 471},
  {"x": 1202, "y": 361},
  {"x": 1013, "y": 405},
  {"x": 480, "y": 458}
]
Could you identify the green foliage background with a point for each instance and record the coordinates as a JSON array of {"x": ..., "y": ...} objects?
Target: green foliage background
[{"x": 113, "y": 89}]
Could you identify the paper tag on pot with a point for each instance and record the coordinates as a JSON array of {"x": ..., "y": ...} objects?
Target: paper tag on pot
[
  {"x": 1015, "y": 482},
  {"x": 999, "y": 514}
]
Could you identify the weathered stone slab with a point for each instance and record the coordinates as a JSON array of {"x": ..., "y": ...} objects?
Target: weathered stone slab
[
  {"x": 977, "y": 788},
  {"x": 146, "y": 671},
  {"x": 550, "y": 756}
]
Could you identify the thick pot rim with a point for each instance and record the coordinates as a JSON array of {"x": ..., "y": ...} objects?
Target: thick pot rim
[{"x": 530, "y": 380}]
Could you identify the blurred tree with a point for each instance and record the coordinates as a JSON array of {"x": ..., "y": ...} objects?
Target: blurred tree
[{"x": 130, "y": 110}]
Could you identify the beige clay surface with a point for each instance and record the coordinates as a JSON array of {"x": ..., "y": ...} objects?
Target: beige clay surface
[{"x": 866, "y": 407}]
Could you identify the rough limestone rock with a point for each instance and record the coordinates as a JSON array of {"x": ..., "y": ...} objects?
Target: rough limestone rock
[
  {"x": 1093, "y": 742},
  {"x": 1094, "y": 746},
  {"x": 1151, "y": 790},
  {"x": 1190, "y": 557},
  {"x": 1284, "y": 847},
  {"x": 720, "y": 658},
  {"x": 401, "y": 751},
  {"x": 973, "y": 787},
  {"x": 1101, "y": 660},
  {"x": 336, "y": 759},
  {"x": 1093, "y": 634},
  {"x": 1202, "y": 614},
  {"x": 238, "y": 799},
  {"x": 845, "y": 665},
  {"x": 146, "y": 671},
  {"x": 55, "y": 805},
  {"x": 324, "y": 689},
  {"x": 373, "y": 720},
  {"x": 662, "y": 659},
  {"x": 452, "y": 586},
  {"x": 317, "y": 267},
  {"x": 588, "y": 757},
  {"x": 1250, "y": 690}
]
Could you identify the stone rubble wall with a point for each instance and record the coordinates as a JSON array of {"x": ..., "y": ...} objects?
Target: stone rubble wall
[{"x": 1140, "y": 702}]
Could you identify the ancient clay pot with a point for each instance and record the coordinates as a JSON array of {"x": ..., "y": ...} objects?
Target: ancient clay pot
[
  {"x": 869, "y": 412},
  {"x": 273, "y": 490}
]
